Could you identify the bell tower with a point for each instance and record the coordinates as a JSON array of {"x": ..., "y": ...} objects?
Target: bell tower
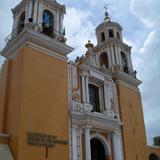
[
  {"x": 115, "y": 56},
  {"x": 34, "y": 82},
  {"x": 45, "y": 17},
  {"x": 110, "y": 38}
]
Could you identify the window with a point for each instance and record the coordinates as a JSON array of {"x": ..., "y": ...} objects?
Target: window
[
  {"x": 102, "y": 37},
  {"x": 118, "y": 36},
  {"x": 104, "y": 60},
  {"x": 48, "y": 23},
  {"x": 124, "y": 62},
  {"x": 111, "y": 34},
  {"x": 21, "y": 23},
  {"x": 94, "y": 97}
]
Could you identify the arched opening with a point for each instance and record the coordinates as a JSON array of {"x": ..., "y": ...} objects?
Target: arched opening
[
  {"x": 97, "y": 150},
  {"x": 94, "y": 97},
  {"x": 104, "y": 60},
  {"x": 21, "y": 23},
  {"x": 102, "y": 37},
  {"x": 124, "y": 62},
  {"x": 48, "y": 23},
  {"x": 118, "y": 36},
  {"x": 153, "y": 156},
  {"x": 111, "y": 34}
]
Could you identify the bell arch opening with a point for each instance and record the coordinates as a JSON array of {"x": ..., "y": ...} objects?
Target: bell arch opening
[
  {"x": 48, "y": 23},
  {"x": 21, "y": 22},
  {"x": 124, "y": 62},
  {"x": 104, "y": 60},
  {"x": 98, "y": 150}
]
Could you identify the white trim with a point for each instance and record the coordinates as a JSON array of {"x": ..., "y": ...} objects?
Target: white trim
[
  {"x": 87, "y": 144},
  {"x": 117, "y": 145},
  {"x": 74, "y": 143}
]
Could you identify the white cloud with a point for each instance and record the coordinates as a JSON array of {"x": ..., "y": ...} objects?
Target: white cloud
[
  {"x": 79, "y": 30},
  {"x": 147, "y": 11},
  {"x": 149, "y": 62}
]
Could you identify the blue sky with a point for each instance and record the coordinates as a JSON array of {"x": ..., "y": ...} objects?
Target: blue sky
[{"x": 140, "y": 20}]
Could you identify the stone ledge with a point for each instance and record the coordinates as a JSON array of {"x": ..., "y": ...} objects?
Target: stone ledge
[{"x": 4, "y": 138}]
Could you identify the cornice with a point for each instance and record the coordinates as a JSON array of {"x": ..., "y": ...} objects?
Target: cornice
[
  {"x": 51, "y": 3},
  {"x": 95, "y": 120},
  {"x": 108, "y": 24},
  {"x": 39, "y": 40},
  {"x": 87, "y": 68},
  {"x": 110, "y": 42},
  {"x": 120, "y": 76}
]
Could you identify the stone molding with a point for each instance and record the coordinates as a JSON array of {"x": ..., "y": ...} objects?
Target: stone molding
[
  {"x": 95, "y": 120},
  {"x": 39, "y": 40}
]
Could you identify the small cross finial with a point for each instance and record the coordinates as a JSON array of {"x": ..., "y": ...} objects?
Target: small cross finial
[
  {"x": 106, "y": 6},
  {"x": 106, "y": 11}
]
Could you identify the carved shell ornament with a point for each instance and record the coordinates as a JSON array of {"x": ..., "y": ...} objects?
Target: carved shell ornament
[{"x": 76, "y": 96}]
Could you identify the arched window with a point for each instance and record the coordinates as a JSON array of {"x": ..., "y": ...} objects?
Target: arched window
[
  {"x": 153, "y": 156},
  {"x": 97, "y": 150},
  {"x": 118, "y": 36},
  {"x": 111, "y": 34},
  {"x": 124, "y": 62},
  {"x": 104, "y": 60},
  {"x": 48, "y": 23},
  {"x": 94, "y": 97},
  {"x": 21, "y": 23},
  {"x": 102, "y": 37}
]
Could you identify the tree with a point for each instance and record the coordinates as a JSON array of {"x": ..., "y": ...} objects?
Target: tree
[{"x": 156, "y": 141}]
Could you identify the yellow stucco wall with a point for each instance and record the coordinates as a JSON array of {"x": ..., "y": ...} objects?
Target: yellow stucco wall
[
  {"x": 133, "y": 129},
  {"x": 37, "y": 102}
]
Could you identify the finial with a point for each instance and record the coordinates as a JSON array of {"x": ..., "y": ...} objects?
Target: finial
[
  {"x": 107, "y": 18},
  {"x": 89, "y": 45}
]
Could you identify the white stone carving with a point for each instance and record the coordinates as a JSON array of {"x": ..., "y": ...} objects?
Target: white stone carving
[{"x": 81, "y": 107}]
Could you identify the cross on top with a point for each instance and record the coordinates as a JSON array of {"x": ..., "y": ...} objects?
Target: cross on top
[
  {"x": 106, "y": 11},
  {"x": 106, "y": 6}
]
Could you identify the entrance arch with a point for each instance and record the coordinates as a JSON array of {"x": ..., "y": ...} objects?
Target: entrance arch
[
  {"x": 98, "y": 151},
  {"x": 153, "y": 156}
]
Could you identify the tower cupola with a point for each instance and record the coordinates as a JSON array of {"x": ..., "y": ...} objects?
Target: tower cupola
[
  {"x": 108, "y": 30},
  {"x": 111, "y": 47}
]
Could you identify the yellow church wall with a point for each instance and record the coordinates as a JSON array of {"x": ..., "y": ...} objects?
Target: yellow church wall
[
  {"x": 11, "y": 100},
  {"x": 44, "y": 101},
  {"x": 133, "y": 129},
  {"x": 37, "y": 102},
  {"x": 3, "y": 85}
]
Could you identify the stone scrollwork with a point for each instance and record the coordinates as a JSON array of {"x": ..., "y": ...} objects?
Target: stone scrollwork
[
  {"x": 88, "y": 107},
  {"x": 80, "y": 107}
]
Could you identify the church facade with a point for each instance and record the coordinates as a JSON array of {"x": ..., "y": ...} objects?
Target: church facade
[{"x": 50, "y": 108}]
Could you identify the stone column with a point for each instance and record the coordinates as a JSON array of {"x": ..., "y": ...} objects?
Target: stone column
[
  {"x": 129, "y": 61},
  {"x": 87, "y": 89},
  {"x": 105, "y": 96},
  {"x": 74, "y": 143},
  {"x": 87, "y": 143},
  {"x": 29, "y": 11},
  {"x": 35, "y": 12},
  {"x": 117, "y": 145},
  {"x": 83, "y": 89}
]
